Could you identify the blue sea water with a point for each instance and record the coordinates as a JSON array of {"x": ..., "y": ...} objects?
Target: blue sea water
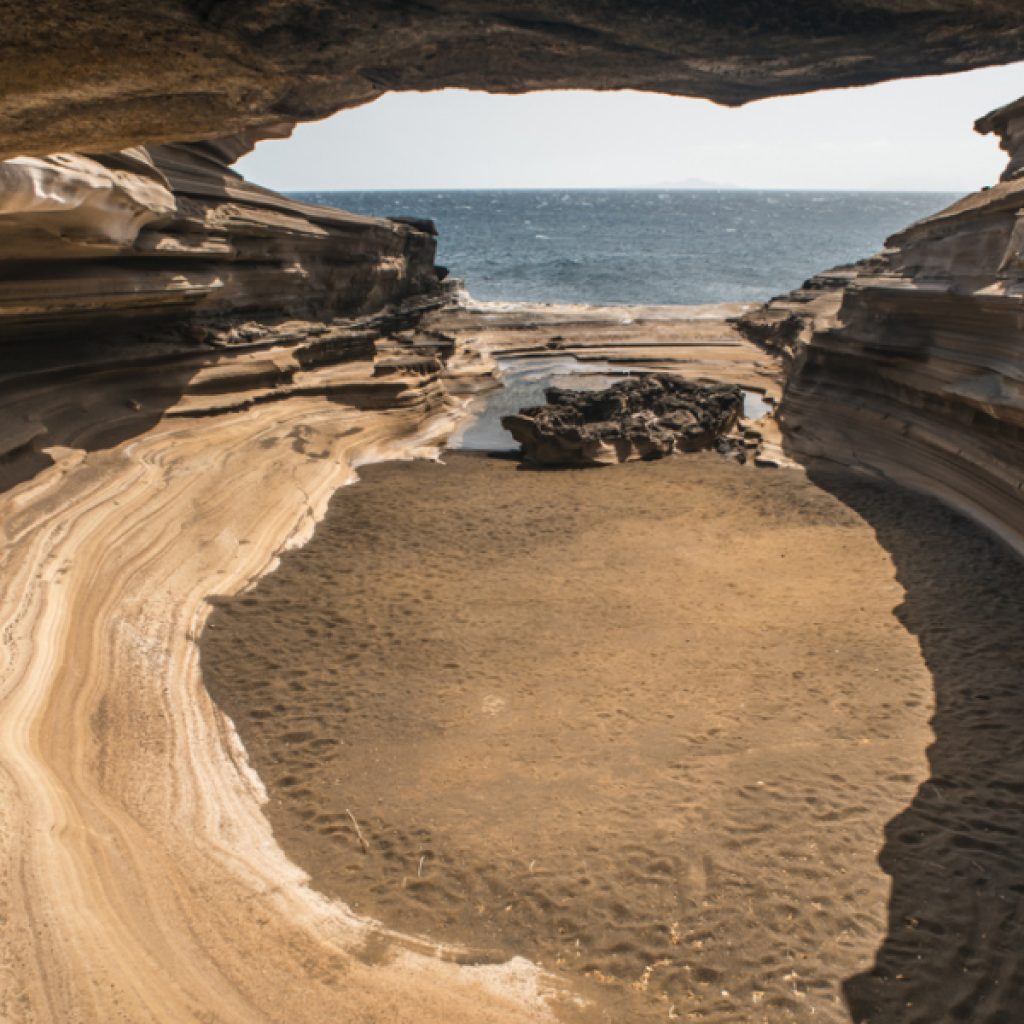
[{"x": 645, "y": 246}]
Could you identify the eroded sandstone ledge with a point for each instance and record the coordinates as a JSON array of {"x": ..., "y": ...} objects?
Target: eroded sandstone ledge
[
  {"x": 910, "y": 363},
  {"x": 169, "y": 242}
]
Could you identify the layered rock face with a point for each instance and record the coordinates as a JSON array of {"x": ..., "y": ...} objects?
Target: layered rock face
[
  {"x": 116, "y": 245},
  {"x": 180, "y": 402},
  {"x": 103, "y": 75},
  {"x": 912, "y": 363}
]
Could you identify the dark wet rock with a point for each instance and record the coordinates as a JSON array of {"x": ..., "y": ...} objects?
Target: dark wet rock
[
  {"x": 732, "y": 447},
  {"x": 645, "y": 417},
  {"x": 424, "y": 224}
]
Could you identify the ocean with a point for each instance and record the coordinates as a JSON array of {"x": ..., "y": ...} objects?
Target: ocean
[{"x": 645, "y": 246}]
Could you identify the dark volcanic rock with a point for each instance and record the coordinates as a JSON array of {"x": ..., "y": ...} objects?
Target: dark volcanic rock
[{"x": 645, "y": 417}]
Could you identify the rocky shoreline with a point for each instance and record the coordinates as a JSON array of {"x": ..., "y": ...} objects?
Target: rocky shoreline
[
  {"x": 909, "y": 365},
  {"x": 905, "y": 365},
  {"x": 194, "y": 365},
  {"x": 287, "y": 404}
]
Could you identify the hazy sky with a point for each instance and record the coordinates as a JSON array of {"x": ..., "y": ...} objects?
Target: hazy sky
[{"x": 914, "y": 134}]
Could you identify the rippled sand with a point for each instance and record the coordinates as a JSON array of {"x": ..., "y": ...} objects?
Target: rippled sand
[{"x": 644, "y": 725}]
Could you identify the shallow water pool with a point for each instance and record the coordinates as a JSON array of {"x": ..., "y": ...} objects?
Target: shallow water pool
[{"x": 524, "y": 381}]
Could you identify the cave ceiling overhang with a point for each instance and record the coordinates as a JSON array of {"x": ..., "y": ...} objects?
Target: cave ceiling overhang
[{"x": 102, "y": 75}]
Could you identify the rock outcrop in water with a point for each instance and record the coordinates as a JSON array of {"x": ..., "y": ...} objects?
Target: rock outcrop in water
[
  {"x": 911, "y": 364},
  {"x": 645, "y": 417}
]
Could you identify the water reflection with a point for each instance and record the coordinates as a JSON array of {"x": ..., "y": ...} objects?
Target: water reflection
[{"x": 524, "y": 381}]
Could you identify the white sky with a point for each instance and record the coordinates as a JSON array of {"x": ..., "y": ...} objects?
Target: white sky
[{"x": 914, "y": 134}]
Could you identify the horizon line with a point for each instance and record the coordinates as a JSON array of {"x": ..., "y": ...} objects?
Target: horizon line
[{"x": 959, "y": 190}]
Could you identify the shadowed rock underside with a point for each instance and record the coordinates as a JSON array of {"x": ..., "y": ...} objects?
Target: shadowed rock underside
[{"x": 103, "y": 75}]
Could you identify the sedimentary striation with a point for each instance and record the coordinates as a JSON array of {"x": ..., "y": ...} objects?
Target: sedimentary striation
[
  {"x": 101, "y": 76},
  {"x": 910, "y": 364},
  {"x": 193, "y": 364},
  {"x": 168, "y": 242}
]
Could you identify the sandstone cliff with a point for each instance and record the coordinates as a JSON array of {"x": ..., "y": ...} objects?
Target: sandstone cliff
[
  {"x": 170, "y": 237},
  {"x": 910, "y": 364}
]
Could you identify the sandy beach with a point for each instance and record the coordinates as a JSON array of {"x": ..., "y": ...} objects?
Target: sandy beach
[
  {"x": 661, "y": 729},
  {"x": 646, "y": 726}
]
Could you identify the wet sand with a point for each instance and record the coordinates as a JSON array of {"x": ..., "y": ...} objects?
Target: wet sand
[{"x": 643, "y": 725}]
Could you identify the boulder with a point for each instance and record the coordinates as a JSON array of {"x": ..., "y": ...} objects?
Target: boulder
[{"x": 645, "y": 417}]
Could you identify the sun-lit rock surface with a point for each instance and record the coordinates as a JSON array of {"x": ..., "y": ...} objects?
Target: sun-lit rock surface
[
  {"x": 912, "y": 363},
  {"x": 1007, "y": 123},
  {"x": 96, "y": 203},
  {"x": 169, "y": 240}
]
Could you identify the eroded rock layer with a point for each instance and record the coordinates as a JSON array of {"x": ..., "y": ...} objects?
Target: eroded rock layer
[
  {"x": 139, "y": 879},
  {"x": 168, "y": 241},
  {"x": 912, "y": 363},
  {"x": 103, "y": 75}
]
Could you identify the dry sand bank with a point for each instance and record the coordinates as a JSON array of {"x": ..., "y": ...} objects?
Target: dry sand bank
[{"x": 647, "y": 726}]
